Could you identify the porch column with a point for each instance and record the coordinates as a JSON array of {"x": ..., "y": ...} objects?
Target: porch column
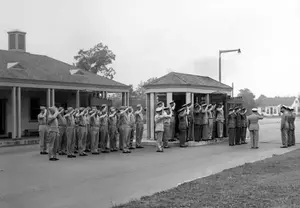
[
  {"x": 53, "y": 97},
  {"x": 169, "y": 98},
  {"x": 123, "y": 98},
  {"x": 48, "y": 98},
  {"x": 77, "y": 99},
  {"x": 127, "y": 97},
  {"x": 152, "y": 109},
  {"x": 188, "y": 97},
  {"x": 192, "y": 99},
  {"x": 148, "y": 116},
  {"x": 13, "y": 113},
  {"x": 19, "y": 117},
  {"x": 207, "y": 99}
]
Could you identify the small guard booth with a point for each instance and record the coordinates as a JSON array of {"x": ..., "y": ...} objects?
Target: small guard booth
[{"x": 184, "y": 88}]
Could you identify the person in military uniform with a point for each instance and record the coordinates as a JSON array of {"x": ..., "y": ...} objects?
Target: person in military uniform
[
  {"x": 183, "y": 125},
  {"x": 291, "y": 126},
  {"x": 293, "y": 140},
  {"x": 220, "y": 120},
  {"x": 210, "y": 126},
  {"x": 197, "y": 122},
  {"x": 70, "y": 131},
  {"x": 173, "y": 121},
  {"x": 104, "y": 129},
  {"x": 112, "y": 129},
  {"x": 62, "y": 140},
  {"x": 81, "y": 131},
  {"x": 132, "y": 127},
  {"x": 124, "y": 129},
  {"x": 42, "y": 120},
  {"x": 139, "y": 125},
  {"x": 231, "y": 127},
  {"x": 159, "y": 127},
  {"x": 53, "y": 133},
  {"x": 238, "y": 126},
  {"x": 244, "y": 125},
  {"x": 167, "y": 127},
  {"x": 204, "y": 124},
  {"x": 284, "y": 126},
  {"x": 95, "y": 130},
  {"x": 253, "y": 127},
  {"x": 190, "y": 120},
  {"x": 88, "y": 130}
]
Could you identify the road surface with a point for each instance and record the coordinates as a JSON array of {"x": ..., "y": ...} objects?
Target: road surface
[{"x": 29, "y": 180}]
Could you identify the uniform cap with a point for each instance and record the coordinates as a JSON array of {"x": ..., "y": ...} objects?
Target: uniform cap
[
  {"x": 166, "y": 108},
  {"x": 81, "y": 108},
  {"x": 236, "y": 108},
  {"x": 42, "y": 108},
  {"x": 244, "y": 108},
  {"x": 254, "y": 109},
  {"x": 204, "y": 105},
  {"x": 181, "y": 109},
  {"x": 158, "y": 109},
  {"x": 69, "y": 108},
  {"x": 159, "y": 103},
  {"x": 230, "y": 109},
  {"x": 60, "y": 108},
  {"x": 139, "y": 105},
  {"x": 52, "y": 108},
  {"x": 172, "y": 102}
]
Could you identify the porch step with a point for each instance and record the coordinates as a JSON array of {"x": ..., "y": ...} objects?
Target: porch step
[{"x": 145, "y": 142}]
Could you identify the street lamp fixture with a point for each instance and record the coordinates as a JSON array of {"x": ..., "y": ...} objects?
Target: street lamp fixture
[{"x": 220, "y": 61}]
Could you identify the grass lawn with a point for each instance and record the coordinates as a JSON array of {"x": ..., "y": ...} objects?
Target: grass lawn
[{"x": 274, "y": 182}]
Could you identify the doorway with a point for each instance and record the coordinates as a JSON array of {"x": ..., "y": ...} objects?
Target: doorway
[
  {"x": 2, "y": 116},
  {"x": 179, "y": 99}
]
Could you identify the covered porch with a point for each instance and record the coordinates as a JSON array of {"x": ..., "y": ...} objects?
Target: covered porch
[{"x": 20, "y": 103}]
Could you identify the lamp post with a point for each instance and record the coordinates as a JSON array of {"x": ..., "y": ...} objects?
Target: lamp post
[{"x": 220, "y": 61}]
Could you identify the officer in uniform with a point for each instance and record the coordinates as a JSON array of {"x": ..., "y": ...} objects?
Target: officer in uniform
[
  {"x": 284, "y": 127},
  {"x": 124, "y": 129},
  {"x": 220, "y": 120},
  {"x": 210, "y": 126},
  {"x": 244, "y": 125},
  {"x": 88, "y": 130},
  {"x": 139, "y": 125},
  {"x": 70, "y": 131},
  {"x": 112, "y": 129},
  {"x": 173, "y": 121},
  {"x": 291, "y": 126},
  {"x": 167, "y": 127},
  {"x": 293, "y": 142},
  {"x": 183, "y": 125},
  {"x": 132, "y": 128},
  {"x": 62, "y": 141},
  {"x": 53, "y": 133},
  {"x": 190, "y": 119},
  {"x": 95, "y": 128},
  {"x": 104, "y": 129},
  {"x": 204, "y": 124},
  {"x": 197, "y": 122},
  {"x": 159, "y": 127},
  {"x": 253, "y": 127},
  {"x": 238, "y": 127},
  {"x": 81, "y": 131},
  {"x": 231, "y": 127},
  {"x": 42, "y": 119}
]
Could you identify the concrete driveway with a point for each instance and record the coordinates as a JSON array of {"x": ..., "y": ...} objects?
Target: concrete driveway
[{"x": 29, "y": 180}]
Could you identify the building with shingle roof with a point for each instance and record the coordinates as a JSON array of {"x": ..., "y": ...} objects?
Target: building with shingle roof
[
  {"x": 28, "y": 81},
  {"x": 183, "y": 88}
]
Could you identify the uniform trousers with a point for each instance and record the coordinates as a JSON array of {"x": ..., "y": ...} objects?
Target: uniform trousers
[
  {"x": 139, "y": 134},
  {"x": 182, "y": 136},
  {"x": 210, "y": 128},
  {"x": 70, "y": 134},
  {"x": 62, "y": 140},
  {"x": 88, "y": 137},
  {"x": 220, "y": 126},
  {"x": 243, "y": 134},
  {"x": 113, "y": 137},
  {"x": 123, "y": 140},
  {"x": 204, "y": 132},
  {"x": 43, "y": 137},
  {"x": 52, "y": 143},
  {"x": 81, "y": 134},
  {"x": 238, "y": 131},
  {"x": 103, "y": 137},
  {"x": 166, "y": 134},
  {"x": 190, "y": 135},
  {"x": 197, "y": 132},
  {"x": 231, "y": 132},
  {"x": 284, "y": 137},
  {"x": 131, "y": 136},
  {"x": 94, "y": 139},
  {"x": 172, "y": 127},
  {"x": 254, "y": 137},
  {"x": 159, "y": 137}
]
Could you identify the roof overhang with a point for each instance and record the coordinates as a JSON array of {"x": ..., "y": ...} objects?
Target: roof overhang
[{"x": 7, "y": 82}]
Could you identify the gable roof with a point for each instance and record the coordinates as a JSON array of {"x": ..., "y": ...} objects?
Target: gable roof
[
  {"x": 44, "y": 68},
  {"x": 276, "y": 101},
  {"x": 175, "y": 78}
]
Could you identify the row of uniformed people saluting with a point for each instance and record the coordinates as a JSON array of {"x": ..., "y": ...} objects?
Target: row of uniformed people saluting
[{"x": 83, "y": 130}]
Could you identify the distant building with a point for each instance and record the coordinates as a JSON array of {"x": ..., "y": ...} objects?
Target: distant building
[{"x": 271, "y": 106}]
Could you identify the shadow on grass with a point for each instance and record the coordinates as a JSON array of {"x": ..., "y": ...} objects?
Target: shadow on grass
[{"x": 273, "y": 182}]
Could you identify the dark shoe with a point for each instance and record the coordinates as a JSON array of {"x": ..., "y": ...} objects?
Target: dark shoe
[
  {"x": 75, "y": 152},
  {"x": 256, "y": 147},
  {"x": 63, "y": 153},
  {"x": 44, "y": 153},
  {"x": 69, "y": 156},
  {"x": 41, "y": 153},
  {"x": 73, "y": 155},
  {"x": 52, "y": 159},
  {"x": 60, "y": 153},
  {"x": 105, "y": 151},
  {"x": 183, "y": 146},
  {"x": 159, "y": 151},
  {"x": 121, "y": 149},
  {"x": 139, "y": 147},
  {"x": 283, "y": 147},
  {"x": 167, "y": 147},
  {"x": 82, "y": 154},
  {"x": 125, "y": 152},
  {"x": 131, "y": 148},
  {"x": 238, "y": 144},
  {"x": 95, "y": 153},
  {"x": 56, "y": 159}
]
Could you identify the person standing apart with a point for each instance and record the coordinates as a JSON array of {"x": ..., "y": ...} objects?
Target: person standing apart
[
  {"x": 210, "y": 110},
  {"x": 238, "y": 127},
  {"x": 291, "y": 126},
  {"x": 53, "y": 133},
  {"x": 231, "y": 127},
  {"x": 159, "y": 128},
  {"x": 139, "y": 125},
  {"x": 62, "y": 124},
  {"x": 284, "y": 127},
  {"x": 42, "y": 119},
  {"x": 293, "y": 142},
  {"x": 167, "y": 127},
  {"x": 253, "y": 127},
  {"x": 220, "y": 120},
  {"x": 243, "y": 125}
]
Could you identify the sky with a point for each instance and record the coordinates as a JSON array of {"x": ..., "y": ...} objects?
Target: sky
[{"x": 153, "y": 37}]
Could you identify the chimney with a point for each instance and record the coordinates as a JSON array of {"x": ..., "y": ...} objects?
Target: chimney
[{"x": 17, "y": 40}]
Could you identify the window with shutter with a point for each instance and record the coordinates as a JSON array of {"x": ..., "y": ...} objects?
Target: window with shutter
[
  {"x": 21, "y": 41},
  {"x": 12, "y": 41}
]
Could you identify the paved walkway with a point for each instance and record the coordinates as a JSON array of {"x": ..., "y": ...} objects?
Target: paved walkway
[{"x": 29, "y": 180}]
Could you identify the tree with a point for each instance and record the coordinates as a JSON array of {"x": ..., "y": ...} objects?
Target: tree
[
  {"x": 140, "y": 90},
  {"x": 96, "y": 60},
  {"x": 260, "y": 100},
  {"x": 248, "y": 99}
]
